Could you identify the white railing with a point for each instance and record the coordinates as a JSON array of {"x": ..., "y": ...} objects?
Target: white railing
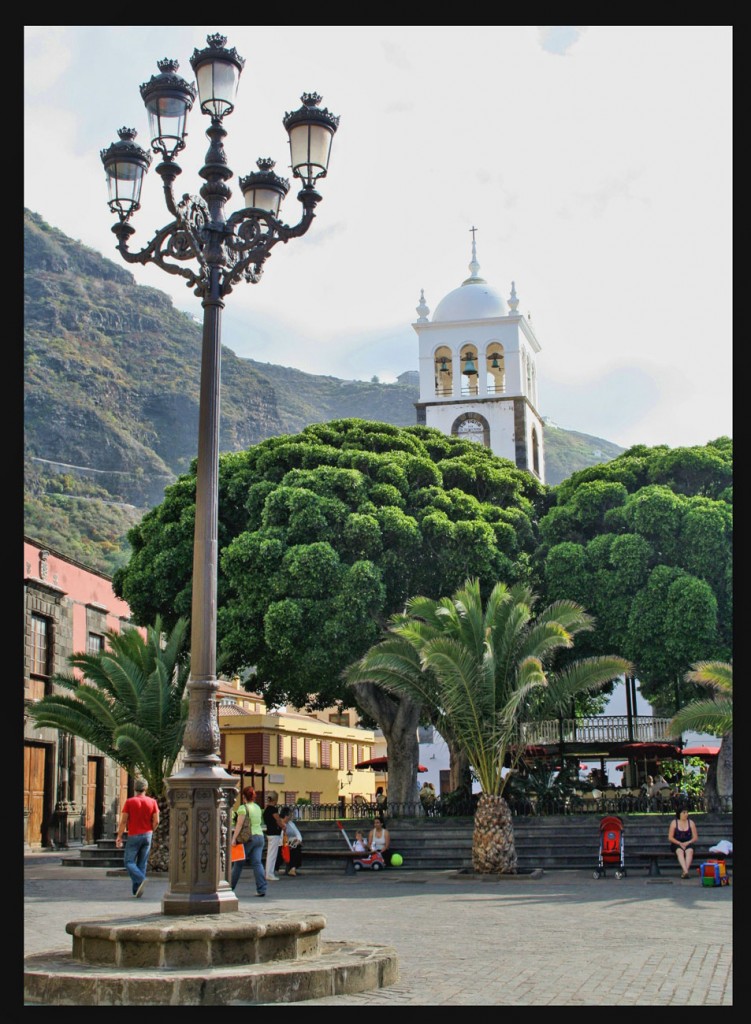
[{"x": 599, "y": 729}]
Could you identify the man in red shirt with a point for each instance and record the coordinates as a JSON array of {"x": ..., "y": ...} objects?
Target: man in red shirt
[{"x": 139, "y": 817}]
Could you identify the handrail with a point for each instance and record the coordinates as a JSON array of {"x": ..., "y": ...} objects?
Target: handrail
[{"x": 599, "y": 729}]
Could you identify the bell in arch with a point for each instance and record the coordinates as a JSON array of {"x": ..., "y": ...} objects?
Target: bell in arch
[{"x": 470, "y": 370}]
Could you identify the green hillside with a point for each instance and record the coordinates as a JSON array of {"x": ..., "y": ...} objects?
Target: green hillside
[{"x": 111, "y": 400}]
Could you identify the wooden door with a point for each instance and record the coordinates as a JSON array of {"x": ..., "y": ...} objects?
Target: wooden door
[
  {"x": 94, "y": 799},
  {"x": 34, "y": 765}
]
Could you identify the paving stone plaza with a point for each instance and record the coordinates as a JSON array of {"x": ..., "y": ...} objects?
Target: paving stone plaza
[{"x": 563, "y": 939}]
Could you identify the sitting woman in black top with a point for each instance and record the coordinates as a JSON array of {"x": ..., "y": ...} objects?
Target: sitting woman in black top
[{"x": 682, "y": 836}]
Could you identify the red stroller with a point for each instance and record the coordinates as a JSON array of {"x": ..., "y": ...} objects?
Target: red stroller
[{"x": 611, "y": 846}]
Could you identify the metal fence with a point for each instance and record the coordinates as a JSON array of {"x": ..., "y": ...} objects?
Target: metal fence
[{"x": 520, "y": 807}]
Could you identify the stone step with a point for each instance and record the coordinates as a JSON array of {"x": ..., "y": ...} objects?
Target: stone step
[{"x": 432, "y": 843}]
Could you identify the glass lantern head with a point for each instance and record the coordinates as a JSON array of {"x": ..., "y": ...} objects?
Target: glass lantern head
[
  {"x": 168, "y": 98},
  {"x": 125, "y": 163},
  {"x": 263, "y": 189},
  {"x": 311, "y": 132},
  {"x": 217, "y": 72}
]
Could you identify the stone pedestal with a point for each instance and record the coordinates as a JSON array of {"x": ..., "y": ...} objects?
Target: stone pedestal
[
  {"x": 66, "y": 820},
  {"x": 200, "y": 842},
  {"x": 240, "y": 957}
]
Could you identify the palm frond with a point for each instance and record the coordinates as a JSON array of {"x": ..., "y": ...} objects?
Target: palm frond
[
  {"x": 716, "y": 675},
  {"x": 711, "y": 716}
]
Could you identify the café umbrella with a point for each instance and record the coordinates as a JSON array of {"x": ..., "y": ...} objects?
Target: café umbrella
[{"x": 381, "y": 764}]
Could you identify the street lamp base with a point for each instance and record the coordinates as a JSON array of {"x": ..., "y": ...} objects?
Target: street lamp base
[{"x": 200, "y": 797}]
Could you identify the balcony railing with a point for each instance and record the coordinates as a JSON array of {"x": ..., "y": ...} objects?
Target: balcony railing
[{"x": 600, "y": 729}]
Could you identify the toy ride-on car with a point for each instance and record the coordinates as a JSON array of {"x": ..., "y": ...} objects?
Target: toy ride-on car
[{"x": 373, "y": 862}]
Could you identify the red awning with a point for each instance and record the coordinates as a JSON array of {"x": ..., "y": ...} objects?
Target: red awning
[
  {"x": 381, "y": 764},
  {"x": 701, "y": 751},
  {"x": 621, "y": 767}
]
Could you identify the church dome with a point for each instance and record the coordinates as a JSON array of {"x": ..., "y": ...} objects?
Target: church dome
[{"x": 474, "y": 299}]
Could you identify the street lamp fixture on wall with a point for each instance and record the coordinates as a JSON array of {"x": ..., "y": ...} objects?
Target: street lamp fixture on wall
[{"x": 213, "y": 252}]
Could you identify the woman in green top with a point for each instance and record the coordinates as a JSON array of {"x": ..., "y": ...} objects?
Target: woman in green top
[{"x": 254, "y": 845}]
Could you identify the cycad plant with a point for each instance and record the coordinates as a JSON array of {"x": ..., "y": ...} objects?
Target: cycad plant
[
  {"x": 129, "y": 702},
  {"x": 483, "y": 671}
]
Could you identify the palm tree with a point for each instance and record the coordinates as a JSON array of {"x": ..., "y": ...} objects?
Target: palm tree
[
  {"x": 483, "y": 673},
  {"x": 128, "y": 701},
  {"x": 713, "y": 714}
]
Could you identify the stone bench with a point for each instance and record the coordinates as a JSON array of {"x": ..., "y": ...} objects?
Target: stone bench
[
  {"x": 653, "y": 858},
  {"x": 346, "y": 855}
]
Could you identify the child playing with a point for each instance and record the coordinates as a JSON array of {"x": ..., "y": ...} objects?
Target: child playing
[{"x": 359, "y": 845}]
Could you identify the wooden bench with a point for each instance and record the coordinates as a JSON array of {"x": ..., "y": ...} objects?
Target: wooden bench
[{"x": 653, "y": 859}]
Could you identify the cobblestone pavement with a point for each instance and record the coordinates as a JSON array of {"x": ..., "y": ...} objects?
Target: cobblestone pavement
[{"x": 564, "y": 939}]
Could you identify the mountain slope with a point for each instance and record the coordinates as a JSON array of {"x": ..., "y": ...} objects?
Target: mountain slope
[{"x": 112, "y": 379}]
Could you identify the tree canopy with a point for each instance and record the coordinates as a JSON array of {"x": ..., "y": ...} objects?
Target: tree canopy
[
  {"x": 323, "y": 535},
  {"x": 645, "y": 544}
]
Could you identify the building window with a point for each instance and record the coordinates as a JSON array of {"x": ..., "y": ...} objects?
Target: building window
[
  {"x": 290, "y": 797},
  {"x": 95, "y": 643},
  {"x": 293, "y": 752},
  {"x": 257, "y": 748},
  {"x": 40, "y": 645},
  {"x": 337, "y": 719},
  {"x": 315, "y": 798},
  {"x": 306, "y": 754},
  {"x": 280, "y": 750},
  {"x": 325, "y": 754}
]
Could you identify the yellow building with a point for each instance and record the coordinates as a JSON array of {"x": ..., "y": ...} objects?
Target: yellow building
[{"x": 296, "y": 754}]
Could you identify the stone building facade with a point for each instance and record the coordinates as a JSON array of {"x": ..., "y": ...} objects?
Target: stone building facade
[{"x": 72, "y": 792}]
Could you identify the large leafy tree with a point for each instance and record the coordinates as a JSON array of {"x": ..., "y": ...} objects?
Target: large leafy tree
[
  {"x": 645, "y": 543},
  {"x": 712, "y": 714},
  {"x": 485, "y": 669},
  {"x": 129, "y": 701},
  {"x": 325, "y": 534}
]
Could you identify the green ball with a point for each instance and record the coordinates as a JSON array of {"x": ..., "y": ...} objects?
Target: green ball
[{"x": 396, "y": 860}]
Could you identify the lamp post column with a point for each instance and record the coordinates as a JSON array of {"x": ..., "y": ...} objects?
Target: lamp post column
[{"x": 199, "y": 811}]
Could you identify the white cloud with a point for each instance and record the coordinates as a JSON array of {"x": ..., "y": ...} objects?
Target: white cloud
[{"x": 600, "y": 183}]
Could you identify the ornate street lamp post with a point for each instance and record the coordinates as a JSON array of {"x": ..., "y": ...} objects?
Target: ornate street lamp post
[{"x": 214, "y": 253}]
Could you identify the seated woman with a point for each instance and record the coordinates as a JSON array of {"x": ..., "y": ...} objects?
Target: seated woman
[
  {"x": 379, "y": 839},
  {"x": 682, "y": 835}
]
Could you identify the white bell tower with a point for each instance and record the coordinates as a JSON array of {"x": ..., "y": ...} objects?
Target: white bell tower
[{"x": 478, "y": 377}]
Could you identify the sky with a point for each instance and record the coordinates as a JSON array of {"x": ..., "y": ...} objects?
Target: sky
[{"x": 594, "y": 161}]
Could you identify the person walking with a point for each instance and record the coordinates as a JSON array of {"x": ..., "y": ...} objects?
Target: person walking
[
  {"x": 139, "y": 817},
  {"x": 294, "y": 842},
  {"x": 249, "y": 810},
  {"x": 274, "y": 829}
]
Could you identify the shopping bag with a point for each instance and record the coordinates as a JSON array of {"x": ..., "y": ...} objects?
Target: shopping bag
[
  {"x": 238, "y": 852},
  {"x": 285, "y": 850}
]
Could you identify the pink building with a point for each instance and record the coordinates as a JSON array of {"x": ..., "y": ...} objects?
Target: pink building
[{"x": 72, "y": 792}]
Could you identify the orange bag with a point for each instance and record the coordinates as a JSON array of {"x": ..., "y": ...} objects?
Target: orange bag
[
  {"x": 238, "y": 852},
  {"x": 285, "y": 850}
]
